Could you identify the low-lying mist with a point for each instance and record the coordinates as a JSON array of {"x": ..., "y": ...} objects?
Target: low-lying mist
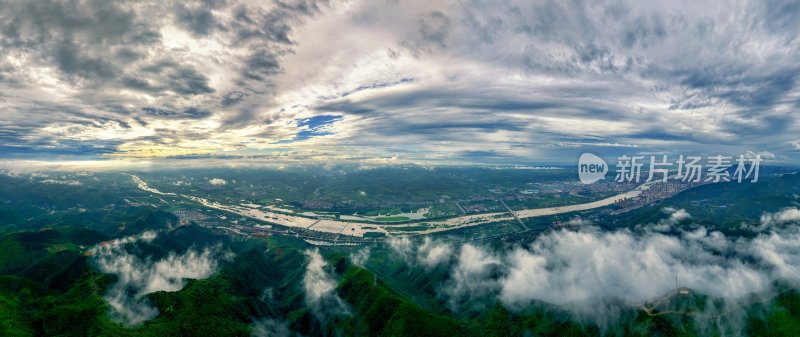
[
  {"x": 138, "y": 276},
  {"x": 598, "y": 275}
]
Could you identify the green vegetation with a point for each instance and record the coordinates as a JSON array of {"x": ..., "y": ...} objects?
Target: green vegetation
[
  {"x": 374, "y": 235},
  {"x": 50, "y": 287},
  {"x": 47, "y": 291},
  {"x": 392, "y": 218},
  {"x": 379, "y": 212},
  {"x": 382, "y": 313},
  {"x": 381, "y": 191},
  {"x": 727, "y": 205},
  {"x": 421, "y": 227},
  {"x": 782, "y": 317}
]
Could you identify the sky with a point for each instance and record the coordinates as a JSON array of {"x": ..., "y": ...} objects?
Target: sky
[{"x": 397, "y": 81}]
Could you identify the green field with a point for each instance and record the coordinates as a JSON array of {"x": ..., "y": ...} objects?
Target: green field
[{"x": 392, "y": 218}]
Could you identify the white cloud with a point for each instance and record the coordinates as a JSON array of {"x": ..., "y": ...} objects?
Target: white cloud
[
  {"x": 320, "y": 288},
  {"x": 401, "y": 245},
  {"x": 570, "y": 267},
  {"x": 676, "y": 216},
  {"x": 471, "y": 278},
  {"x": 578, "y": 221},
  {"x": 272, "y": 328},
  {"x": 62, "y": 182},
  {"x": 217, "y": 181},
  {"x": 137, "y": 277},
  {"x": 597, "y": 275},
  {"x": 761, "y": 154},
  {"x": 360, "y": 257},
  {"x": 787, "y": 215},
  {"x": 433, "y": 253}
]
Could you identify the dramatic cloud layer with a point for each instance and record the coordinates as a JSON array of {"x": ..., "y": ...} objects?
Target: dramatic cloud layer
[{"x": 465, "y": 81}]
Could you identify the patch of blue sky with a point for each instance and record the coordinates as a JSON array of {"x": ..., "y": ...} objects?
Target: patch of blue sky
[{"x": 314, "y": 127}]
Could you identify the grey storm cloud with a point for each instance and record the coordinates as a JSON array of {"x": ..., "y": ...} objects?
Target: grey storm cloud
[
  {"x": 513, "y": 78},
  {"x": 199, "y": 19}
]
